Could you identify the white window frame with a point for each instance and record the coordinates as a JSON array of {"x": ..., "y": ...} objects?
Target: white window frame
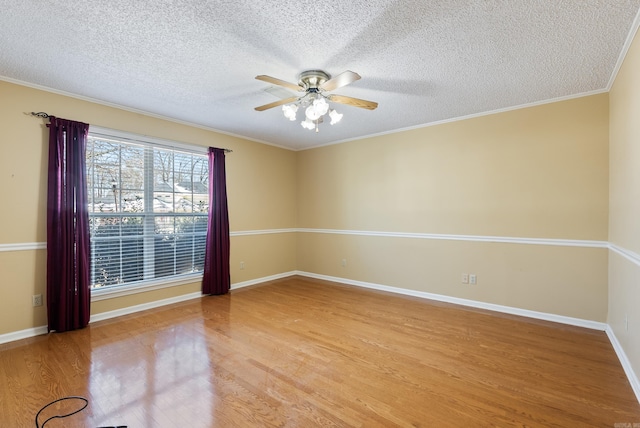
[{"x": 98, "y": 294}]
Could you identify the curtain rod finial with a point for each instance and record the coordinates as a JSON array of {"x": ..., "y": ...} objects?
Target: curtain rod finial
[{"x": 39, "y": 114}]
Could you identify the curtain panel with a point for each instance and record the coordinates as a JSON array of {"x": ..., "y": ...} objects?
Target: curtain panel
[
  {"x": 68, "y": 252},
  {"x": 216, "y": 278}
]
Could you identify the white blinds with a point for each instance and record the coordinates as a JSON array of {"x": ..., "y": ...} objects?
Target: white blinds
[{"x": 148, "y": 208}]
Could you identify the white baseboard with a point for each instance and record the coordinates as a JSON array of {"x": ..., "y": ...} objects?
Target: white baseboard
[
  {"x": 261, "y": 280},
  {"x": 594, "y": 325},
  {"x": 626, "y": 365},
  {"x": 23, "y": 334}
]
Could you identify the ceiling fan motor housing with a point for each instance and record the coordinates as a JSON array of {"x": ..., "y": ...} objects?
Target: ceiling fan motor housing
[{"x": 312, "y": 79}]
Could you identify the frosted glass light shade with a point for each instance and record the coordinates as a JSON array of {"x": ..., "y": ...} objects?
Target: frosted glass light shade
[
  {"x": 335, "y": 117},
  {"x": 307, "y": 124},
  {"x": 289, "y": 111}
]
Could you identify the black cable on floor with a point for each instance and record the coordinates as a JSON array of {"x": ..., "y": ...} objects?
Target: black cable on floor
[{"x": 86, "y": 403}]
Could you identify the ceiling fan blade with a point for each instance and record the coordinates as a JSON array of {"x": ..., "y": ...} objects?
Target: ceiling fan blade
[
  {"x": 279, "y": 82},
  {"x": 356, "y": 102},
  {"x": 277, "y": 103},
  {"x": 278, "y": 91},
  {"x": 340, "y": 80}
]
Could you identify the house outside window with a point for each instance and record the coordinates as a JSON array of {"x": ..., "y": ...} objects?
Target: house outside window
[{"x": 148, "y": 206}]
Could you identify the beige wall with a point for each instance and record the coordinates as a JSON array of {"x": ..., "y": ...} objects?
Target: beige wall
[
  {"x": 535, "y": 172},
  {"x": 539, "y": 172},
  {"x": 624, "y": 216},
  {"x": 261, "y": 180}
]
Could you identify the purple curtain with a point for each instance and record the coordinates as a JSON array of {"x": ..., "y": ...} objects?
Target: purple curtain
[
  {"x": 68, "y": 254},
  {"x": 216, "y": 278}
]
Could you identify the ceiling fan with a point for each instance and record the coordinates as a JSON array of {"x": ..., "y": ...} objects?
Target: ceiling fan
[{"x": 314, "y": 84}]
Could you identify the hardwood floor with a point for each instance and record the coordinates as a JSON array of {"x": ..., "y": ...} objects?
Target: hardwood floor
[{"x": 299, "y": 352}]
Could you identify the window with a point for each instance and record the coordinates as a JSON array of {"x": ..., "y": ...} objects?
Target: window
[{"x": 148, "y": 205}]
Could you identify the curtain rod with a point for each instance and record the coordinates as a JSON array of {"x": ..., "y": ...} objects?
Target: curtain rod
[{"x": 47, "y": 116}]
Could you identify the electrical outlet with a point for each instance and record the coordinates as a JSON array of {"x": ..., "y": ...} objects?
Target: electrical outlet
[
  {"x": 472, "y": 278},
  {"x": 241, "y": 265},
  {"x": 37, "y": 300},
  {"x": 343, "y": 263},
  {"x": 465, "y": 278}
]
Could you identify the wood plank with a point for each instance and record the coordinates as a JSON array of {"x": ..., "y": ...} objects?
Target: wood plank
[{"x": 304, "y": 352}]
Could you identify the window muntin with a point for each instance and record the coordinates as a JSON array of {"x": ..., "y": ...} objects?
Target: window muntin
[{"x": 148, "y": 208}]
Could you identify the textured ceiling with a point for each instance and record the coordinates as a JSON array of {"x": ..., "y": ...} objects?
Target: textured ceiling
[{"x": 422, "y": 61}]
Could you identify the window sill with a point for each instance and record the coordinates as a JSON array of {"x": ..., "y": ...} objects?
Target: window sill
[{"x": 143, "y": 287}]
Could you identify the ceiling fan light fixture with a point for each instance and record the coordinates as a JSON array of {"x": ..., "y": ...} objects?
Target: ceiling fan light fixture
[
  {"x": 308, "y": 124},
  {"x": 318, "y": 108},
  {"x": 335, "y": 117},
  {"x": 312, "y": 113},
  {"x": 289, "y": 111},
  {"x": 321, "y": 105}
]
